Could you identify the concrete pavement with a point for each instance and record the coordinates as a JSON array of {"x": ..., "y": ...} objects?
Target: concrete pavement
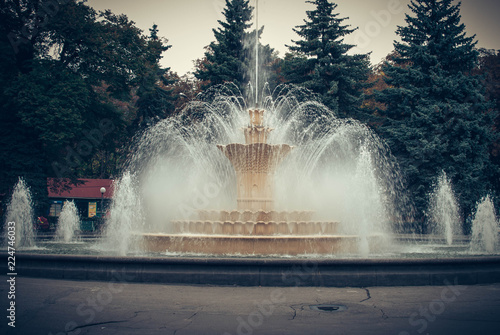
[{"x": 47, "y": 306}]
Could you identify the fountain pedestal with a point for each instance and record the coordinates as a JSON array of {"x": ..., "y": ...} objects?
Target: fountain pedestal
[
  {"x": 255, "y": 163},
  {"x": 255, "y": 228}
]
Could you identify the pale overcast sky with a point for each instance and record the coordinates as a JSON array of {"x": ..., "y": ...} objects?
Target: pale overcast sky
[{"x": 187, "y": 24}]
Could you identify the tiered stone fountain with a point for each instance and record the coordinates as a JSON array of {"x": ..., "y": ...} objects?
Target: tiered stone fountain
[{"x": 255, "y": 227}]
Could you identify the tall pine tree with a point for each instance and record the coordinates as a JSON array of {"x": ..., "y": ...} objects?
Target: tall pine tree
[
  {"x": 155, "y": 93},
  {"x": 437, "y": 117},
  {"x": 225, "y": 58},
  {"x": 319, "y": 61}
]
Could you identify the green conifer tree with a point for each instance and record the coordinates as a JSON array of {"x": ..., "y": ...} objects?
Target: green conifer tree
[
  {"x": 437, "y": 117},
  {"x": 155, "y": 93},
  {"x": 319, "y": 61},
  {"x": 225, "y": 57}
]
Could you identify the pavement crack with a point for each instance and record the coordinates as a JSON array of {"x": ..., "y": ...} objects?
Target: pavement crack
[
  {"x": 190, "y": 319},
  {"x": 102, "y": 323},
  {"x": 384, "y": 316},
  {"x": 96, "y": 324},
  {"x": 368, "y": 295},
  {"x": 294, "y": 311}
]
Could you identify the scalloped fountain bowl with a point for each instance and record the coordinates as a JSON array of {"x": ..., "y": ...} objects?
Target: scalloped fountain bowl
[{"x": 255, "y": 228}]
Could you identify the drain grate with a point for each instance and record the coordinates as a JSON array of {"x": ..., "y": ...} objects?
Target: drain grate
[{"x": 328, "y": 308}]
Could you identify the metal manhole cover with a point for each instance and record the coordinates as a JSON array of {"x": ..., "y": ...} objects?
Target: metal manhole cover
[{"x": 328, "y": 308}]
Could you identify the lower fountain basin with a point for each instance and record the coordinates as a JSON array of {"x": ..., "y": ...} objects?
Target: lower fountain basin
[
  {"x": 258, "y": 245},
  {"x": 412, "y": 260},
  {"x": 264, "y": 271},
  {"x": 255, "y": 228}
]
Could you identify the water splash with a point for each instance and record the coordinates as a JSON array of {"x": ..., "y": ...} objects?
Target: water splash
[
  {"x": 125, "y": 216},
  {"x": 366, "y": 201},
  {"x": 256, "y": 52},
  {"x": 177, "y": 168},
  {"x": 444, "y": 210},
  {"x": 68, "y": 224},
  {"x": 20, "y": 211},
  {"x": 484, "y": 228},
  {"x": 339, "y": 168}
]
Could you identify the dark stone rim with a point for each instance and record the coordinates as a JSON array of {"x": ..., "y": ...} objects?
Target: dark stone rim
[
  {"x": 473, "y": 260},
  {"x": 264, "y": 272}
]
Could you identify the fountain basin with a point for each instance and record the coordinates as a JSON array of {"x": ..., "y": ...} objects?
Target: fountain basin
[
  {"x": 247, "y": 215},
  {"x": 270, "y": 228},
  {"x": 257, "y": 245},
  {"x": 265, "y": 271}
]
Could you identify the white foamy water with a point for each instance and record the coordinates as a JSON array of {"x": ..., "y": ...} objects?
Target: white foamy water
[
  {"x": 484, "y": 228},
  {"x": 444, "y": 210},
  {"x": 125, "y": 216},
  {"x": 338, "y": 168},
  {"x": 20, "y": 212},
  {"x": 68, "y": 224}
]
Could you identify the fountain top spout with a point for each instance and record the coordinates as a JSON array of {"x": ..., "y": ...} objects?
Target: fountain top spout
[
  {"x": 256, "y": 117},
  {"x": 256, "y": 132},
  {"x": 254, "y": 163}
]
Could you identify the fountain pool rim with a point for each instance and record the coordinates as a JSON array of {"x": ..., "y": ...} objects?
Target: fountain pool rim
[{"x": 279, "y": 272}]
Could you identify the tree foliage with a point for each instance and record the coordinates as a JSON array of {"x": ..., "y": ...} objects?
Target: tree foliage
[
  {"x": 267, "y": 66},
  {"x": 156, "y": 96},
  {"x": 320, "y": 60},
  {"x": 231, "y": 58},
  {"x": 226, "y": 57},
  {"x": 489, "y": 70},
  {"x": 66, "y": 72},
  {"x": 436, "y": 115}
]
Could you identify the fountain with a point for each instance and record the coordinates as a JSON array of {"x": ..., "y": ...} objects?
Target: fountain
[
  {"x": 68, "y": 224},
  {"x": 256, "y": 227},
  {"x": 333, "y": 188},
  {"x": 321, "y": 209},
  {"x": 20, "y": 213},
  {"x": 443, "y": 210},
  {"x": 124, "y": 216},
  {"x": 484, "y": 228}
]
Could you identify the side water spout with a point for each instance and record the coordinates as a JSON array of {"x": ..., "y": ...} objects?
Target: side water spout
[
  {"x": 20, "y": 216},
  {"x": 484, "y": 228}
]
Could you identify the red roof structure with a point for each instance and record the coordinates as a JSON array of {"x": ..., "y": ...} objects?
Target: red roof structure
[{"x": 88, "y": 189}]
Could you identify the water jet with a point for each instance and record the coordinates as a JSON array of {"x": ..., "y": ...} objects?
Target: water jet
[
  {"x": 20, "y": 214},
  {"x": 68, "y": 224},
  {"x": 444, "y": 210},
  {"x": 255, "y": 227},
  {"x": 484, "y": 228}
]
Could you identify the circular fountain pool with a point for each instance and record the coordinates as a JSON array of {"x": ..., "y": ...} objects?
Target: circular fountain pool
[
  {"x": 415, "y": 266},
  {"x": 317, "y": 194},
  {"x": 402, "y": 247}
]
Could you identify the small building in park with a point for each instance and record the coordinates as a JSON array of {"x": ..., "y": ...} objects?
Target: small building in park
[{"x": 91, "y": 196}]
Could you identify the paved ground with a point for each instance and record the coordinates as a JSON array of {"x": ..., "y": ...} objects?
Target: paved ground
[{"x": 46, "y": 306}]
